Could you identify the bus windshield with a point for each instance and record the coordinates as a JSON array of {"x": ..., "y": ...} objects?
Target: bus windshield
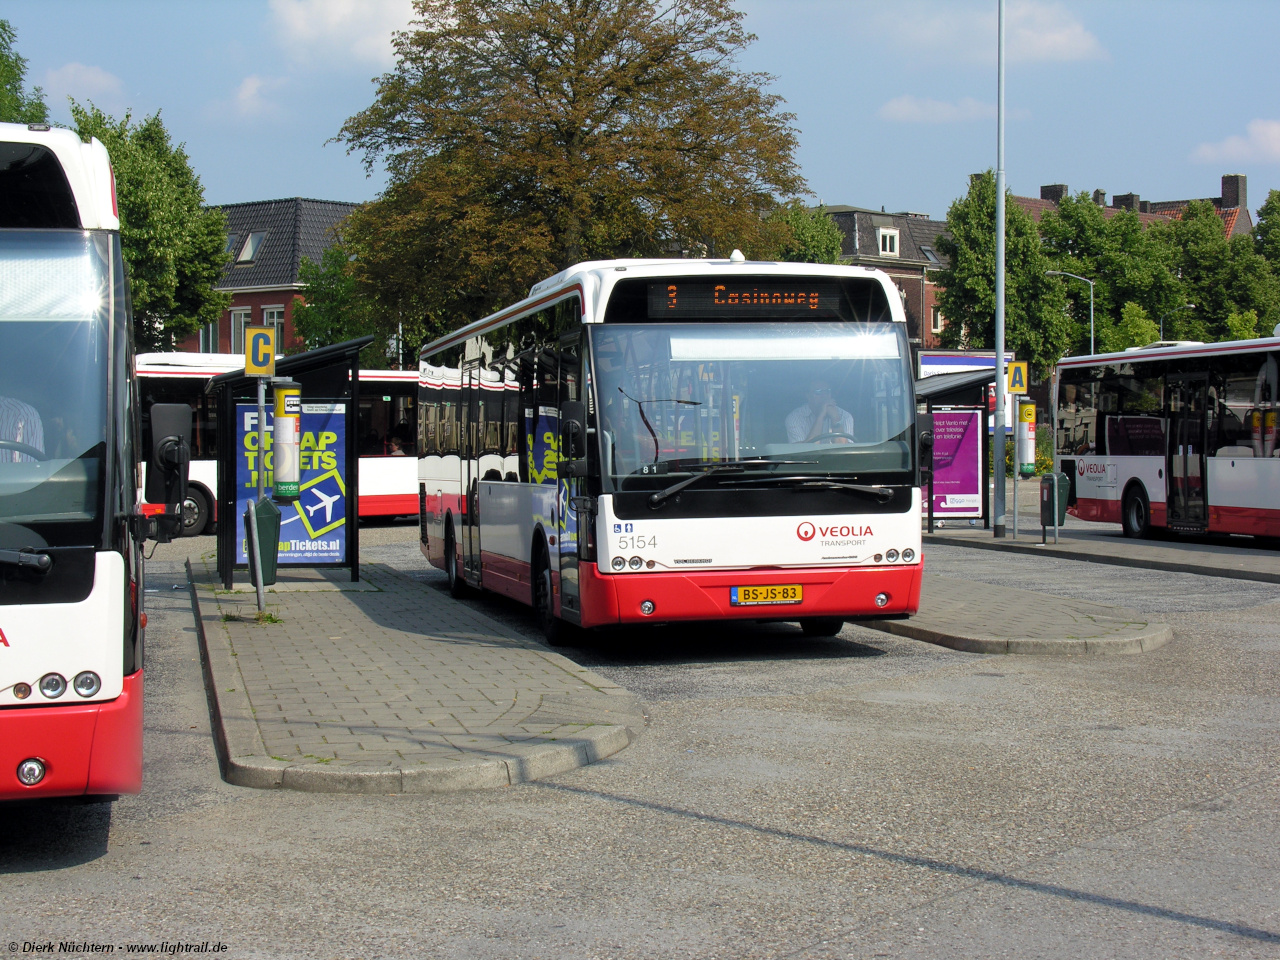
[
  {"x": 827, "y": 399},
  {"x": 54, "y": 323}
]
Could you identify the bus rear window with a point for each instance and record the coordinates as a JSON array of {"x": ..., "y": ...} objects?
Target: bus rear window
[{"x": 34, "y": 192}]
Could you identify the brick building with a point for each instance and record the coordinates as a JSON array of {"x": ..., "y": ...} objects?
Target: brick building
[
  {"x": 1232, "y": 205},
  {"x": 267, "y": 240},
  {"x": 903, "y": 245}
]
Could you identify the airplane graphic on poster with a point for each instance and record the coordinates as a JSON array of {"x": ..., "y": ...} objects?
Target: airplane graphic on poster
[{"x": 326, "y": 502}]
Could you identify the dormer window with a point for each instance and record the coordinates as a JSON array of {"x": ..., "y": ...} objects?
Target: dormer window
[
  {"x": 231, "y": 243},
  {"x": 930, "y": 255},
  {"x": 888, "y": 241},
  {"x": 249, "y": 252}
]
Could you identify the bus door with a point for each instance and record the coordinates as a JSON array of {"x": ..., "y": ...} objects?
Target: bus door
[
  {"x": 569, "y": 489},
  {"x": 470, "y": 442},
  {"x": 1184, "y": 466}
]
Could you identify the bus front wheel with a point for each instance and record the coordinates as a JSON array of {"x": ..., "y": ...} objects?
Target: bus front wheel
[
  {"x": 1135, "y": 513},
  {"x": 821, "y": 626},
  {"x": 195, "y": 512},
  {"x": 554, "y": 630}
]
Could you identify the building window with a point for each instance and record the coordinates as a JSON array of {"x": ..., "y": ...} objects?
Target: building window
[
  {"x": 241, "y": 317},
  {"x": 231, "y": 242},
  {"x": 252, "y": 244},
  {"x": 930, "y": 255},
  {"x": 888, "y": 242},
  {"x": 209, "y": 337},
  {"x": 936, "y": 323},
  {"x": 274, "y": 317}
]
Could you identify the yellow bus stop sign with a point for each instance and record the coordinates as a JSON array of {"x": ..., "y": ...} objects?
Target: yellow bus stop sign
[
  {"x": 1018, "y": 382},
  {"x": 260, "y": 351}
]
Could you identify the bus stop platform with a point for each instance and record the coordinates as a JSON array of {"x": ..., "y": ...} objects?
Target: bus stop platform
[
  {"x": 1239, "y": 558},
  {"x": 385, "y": 685}
]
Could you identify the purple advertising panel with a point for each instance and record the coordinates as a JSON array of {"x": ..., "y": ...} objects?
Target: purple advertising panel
[{"x": 957, "y": 463}]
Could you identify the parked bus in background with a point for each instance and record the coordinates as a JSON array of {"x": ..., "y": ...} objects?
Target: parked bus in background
[
  {"x": 1180, "y": 437},
  {"x": 648, "y": 441},
  {"x": 71, "y": 623},
  {"x": 388, "y": 429}
]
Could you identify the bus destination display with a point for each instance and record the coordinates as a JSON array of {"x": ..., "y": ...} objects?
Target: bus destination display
[{"x": 765, "y": 297}]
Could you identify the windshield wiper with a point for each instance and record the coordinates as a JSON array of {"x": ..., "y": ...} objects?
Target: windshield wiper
[
  {"x": 21, "y": 558},
  {"x": 716, "y": 466},
  {"x": 881, "y": 493}
]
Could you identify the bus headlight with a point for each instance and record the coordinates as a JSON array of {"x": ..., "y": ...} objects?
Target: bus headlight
[
  {"x": 30, "y": 772},
  {"x": 618, "y": 563},
  {"x": 636, "y": 563},
  {"x": 53, "y": 685},
  {"x": 908, "y": 555},
  {"x": 22, "y": 690},
  {"x": 87, "y": 683},
  {"x": 882, "y": 599},
  {"x": 891, "y": 556},
  {"x": 647, "y": 607}
]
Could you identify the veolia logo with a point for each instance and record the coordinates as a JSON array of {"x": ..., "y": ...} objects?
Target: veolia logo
[
  {"x": 1080, "y": 467},
  {"x": 805, "y": 531}
]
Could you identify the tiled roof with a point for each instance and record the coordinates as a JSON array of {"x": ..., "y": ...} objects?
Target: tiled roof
[
  {"x": 1038, "y": 207},
  {"x": 293, "y": 228},
  {"x": 860, "y": 239}
]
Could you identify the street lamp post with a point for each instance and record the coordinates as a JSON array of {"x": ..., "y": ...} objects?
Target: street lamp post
[
  {"x": 1185, "y": 306},
  {"x": 1076, "y": 276}
]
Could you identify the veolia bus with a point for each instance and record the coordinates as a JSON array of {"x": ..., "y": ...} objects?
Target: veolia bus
[
  {"x": 646, "y": 441},
  {"x": 71, "y": 620}
]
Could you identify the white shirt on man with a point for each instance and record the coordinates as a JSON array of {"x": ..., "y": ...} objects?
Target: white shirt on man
[{"x": 800, "y": 422}]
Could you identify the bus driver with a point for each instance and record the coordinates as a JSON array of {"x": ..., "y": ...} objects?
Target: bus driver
[{"x": 818, "y": 417}]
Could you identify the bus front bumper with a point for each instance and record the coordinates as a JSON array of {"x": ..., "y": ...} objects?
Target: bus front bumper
[
  {"x": 89, "y": 748},
  {"x": 845, "y": 593}
]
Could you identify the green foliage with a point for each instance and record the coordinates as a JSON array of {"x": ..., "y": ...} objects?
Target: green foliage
[
  {"x": 1242, "y": 326},
  {"x": 1036, "y": 327},
  {"x": 1135, "y": 329},
  {"x": 173, "y": 245},
  {"x": 810, "y": 235},
  {"x": 17, "y": 105},
  {"x": 521, "y": 137},
  {"x": 331, "y": 309},
  {"x": 1266, "y": 233}
]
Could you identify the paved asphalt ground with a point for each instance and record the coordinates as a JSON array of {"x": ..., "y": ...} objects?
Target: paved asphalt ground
[{"x": 857, "y": 797}]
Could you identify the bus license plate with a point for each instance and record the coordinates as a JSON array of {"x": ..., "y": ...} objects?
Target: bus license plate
[{"x": 770, "y": 593}]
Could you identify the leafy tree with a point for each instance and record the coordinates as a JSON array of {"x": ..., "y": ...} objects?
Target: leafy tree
[
  {"x": 810, "y": 234},
  {"x": 1036, "y": 326},
  {"x": 1267, "y": 231},
  {"x": 521, "y": 136},
  {"x": 331, "y": 308},
  {"x": 1135, "y": 329},
  {"x": 1242, "y": 326},
  {"x": 174, "y": 246},
  {"x": 1222, "y": 276},
  {"x": 16, "y": 105}
]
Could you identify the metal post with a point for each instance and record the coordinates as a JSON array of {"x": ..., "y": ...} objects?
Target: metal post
[
  {"x": 1015, "y": 488},
  {"x": 257, "y": 553},
  {"x": 262, "y": 435},
  {"x": 1055, "y": 508},
  {"x": 998, "y": 455}
]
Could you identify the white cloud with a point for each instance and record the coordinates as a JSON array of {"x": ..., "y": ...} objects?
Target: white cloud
[
  {"x": 355, "y": 29},
  {"x": 1261, "y": 144},
  {"x": 84, "y": 82},
  {"x": 251, "y": 96},
  {"x": 909, "y": 109},
  {"x": 1036, "y": 31}
]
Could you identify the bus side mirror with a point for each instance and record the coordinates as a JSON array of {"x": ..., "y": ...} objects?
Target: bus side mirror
[
  {"x": 573, "y": 437},
  {"x": 168, "y": 463},
  {"x": 924, "y": 432}
]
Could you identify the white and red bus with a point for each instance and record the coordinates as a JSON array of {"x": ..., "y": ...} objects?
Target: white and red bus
[
  {"x": 71, "y": 624},
  {"x": 652, "y": 441},
  {"x": 1179, "y": 437},
  {"x": 388, "y": 422}
]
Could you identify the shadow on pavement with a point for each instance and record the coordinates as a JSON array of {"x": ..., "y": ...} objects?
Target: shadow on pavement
[{"x": 39, "y": 835}]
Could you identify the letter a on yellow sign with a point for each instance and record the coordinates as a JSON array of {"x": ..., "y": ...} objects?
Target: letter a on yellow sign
[
  {"x": 1017, "y": 377},
  {"x": 260, "y": 351}
]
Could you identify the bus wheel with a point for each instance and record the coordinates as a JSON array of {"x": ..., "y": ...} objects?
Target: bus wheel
[
  {"x": 457, "y": 585},
  {"x": 195, "y": 512},
  {"x": 821, "y": 626},
  {"x": 554, "y": 630},
  {"x": 1135, "y": 513}
]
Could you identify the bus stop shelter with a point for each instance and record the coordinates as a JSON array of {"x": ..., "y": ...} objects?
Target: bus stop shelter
[
  {"x": 320, "y": 529},
  {"x": 956, "y": 394}
]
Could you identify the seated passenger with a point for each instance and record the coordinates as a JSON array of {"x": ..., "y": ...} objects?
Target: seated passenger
[{"x": 20, "y": 423}]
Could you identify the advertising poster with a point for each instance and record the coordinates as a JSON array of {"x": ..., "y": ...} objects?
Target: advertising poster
[
  {"x": 313, "y": 528},
  {"x": 957, "y": 463}
]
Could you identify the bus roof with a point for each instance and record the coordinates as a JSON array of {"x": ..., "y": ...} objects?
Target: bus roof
[
  {"x": 1167, "y": 351},
  {"x": 85, "y": 165},
  {"x": 595, "y": 279},
  {"x": 194, "y": 365}
]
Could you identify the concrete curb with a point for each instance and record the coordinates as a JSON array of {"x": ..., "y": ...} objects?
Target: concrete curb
[
  {"x": 1157, "y": 635},
  {"x": 1052, "y": 550},
  {"x": 244, "y": 761}
]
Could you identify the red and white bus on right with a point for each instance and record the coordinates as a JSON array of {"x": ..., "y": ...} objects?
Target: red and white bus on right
[{"x": 1174, "y": 436}]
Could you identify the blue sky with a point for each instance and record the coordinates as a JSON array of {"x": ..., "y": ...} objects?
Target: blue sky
[{"x": 894, "y": 102}]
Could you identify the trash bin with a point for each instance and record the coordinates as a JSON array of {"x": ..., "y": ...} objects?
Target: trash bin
[
  {"x": 267, "y": 517},
  {"x": 1046, "y": 498}
]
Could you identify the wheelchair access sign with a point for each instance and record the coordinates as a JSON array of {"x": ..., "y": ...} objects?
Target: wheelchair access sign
[{"x": 313, "y": 528}]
